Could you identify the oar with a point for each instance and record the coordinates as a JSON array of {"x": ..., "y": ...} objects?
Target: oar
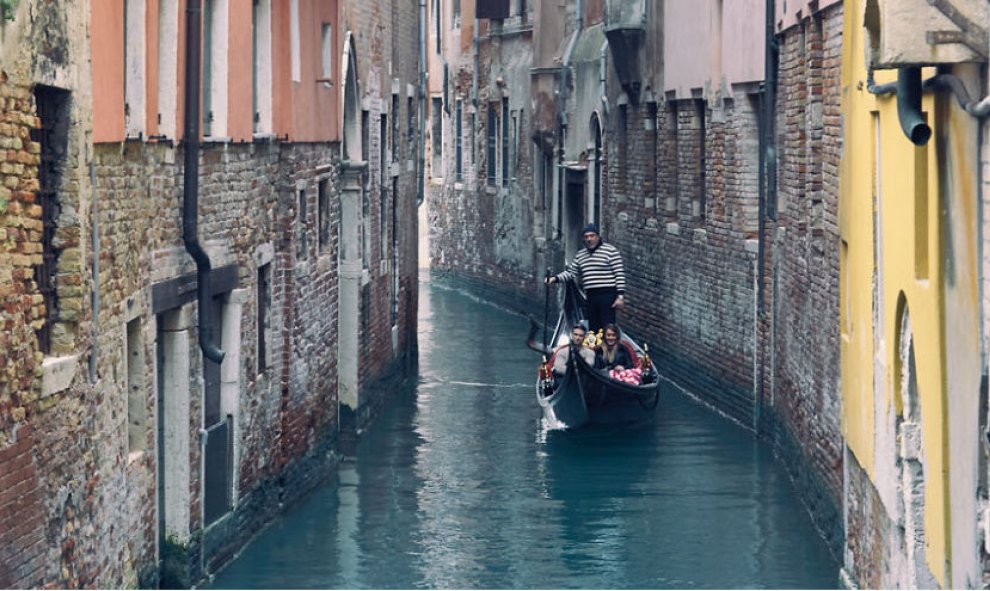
[{"x": 546, "y": 307}]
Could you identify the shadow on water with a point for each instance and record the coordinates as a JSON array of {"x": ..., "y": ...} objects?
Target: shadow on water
[{"x": 458, "y": 485}]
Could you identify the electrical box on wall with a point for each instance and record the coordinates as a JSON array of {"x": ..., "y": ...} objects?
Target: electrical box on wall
[{"x": 925, "y": 32}]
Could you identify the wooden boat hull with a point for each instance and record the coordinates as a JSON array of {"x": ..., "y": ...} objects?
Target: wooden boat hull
[{"x": 585, "y": 395}]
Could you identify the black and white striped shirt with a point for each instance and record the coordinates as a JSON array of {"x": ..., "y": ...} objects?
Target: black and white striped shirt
[{"x": 601, "y": 267}]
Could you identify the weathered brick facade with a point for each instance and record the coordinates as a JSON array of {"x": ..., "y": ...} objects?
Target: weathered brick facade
[
  {"x": 801, "y": 388},
  {"x": 492, "y": 202},
  {"x": 106, "y": 432}
]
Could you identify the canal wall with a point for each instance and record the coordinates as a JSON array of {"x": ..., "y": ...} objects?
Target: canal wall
[{"x": 741, "y": 310}]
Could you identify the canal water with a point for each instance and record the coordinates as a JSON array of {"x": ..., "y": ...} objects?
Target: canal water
[{"x": 459, "y": 485}]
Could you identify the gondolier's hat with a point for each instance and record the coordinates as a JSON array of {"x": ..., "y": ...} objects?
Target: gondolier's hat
[{"x": 592, "y": 227}]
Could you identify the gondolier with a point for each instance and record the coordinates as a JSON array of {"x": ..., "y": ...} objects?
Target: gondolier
[{"x": 599, "y": 268}]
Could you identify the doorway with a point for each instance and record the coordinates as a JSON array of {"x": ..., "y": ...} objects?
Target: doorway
[{"x": 575, "y": 182}]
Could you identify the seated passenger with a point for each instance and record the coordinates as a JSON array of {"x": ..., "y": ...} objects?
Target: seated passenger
[
  {"x": 563, "y": 354},
  {"x": 613, "y": 354}
]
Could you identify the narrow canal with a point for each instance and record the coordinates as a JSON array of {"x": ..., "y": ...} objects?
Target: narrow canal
[{"x": 459, "y": 486}]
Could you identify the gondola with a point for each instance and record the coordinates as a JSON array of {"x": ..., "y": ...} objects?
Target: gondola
[{"x": 585, "y": 395}]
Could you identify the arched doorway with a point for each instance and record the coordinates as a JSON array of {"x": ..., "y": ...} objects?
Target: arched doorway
[
  {"x": 911, "y": 456},
  {"x": 595, "y": 165}
]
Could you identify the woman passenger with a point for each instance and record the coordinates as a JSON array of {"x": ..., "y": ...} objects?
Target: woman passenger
[{"x": 612, "y": 354}]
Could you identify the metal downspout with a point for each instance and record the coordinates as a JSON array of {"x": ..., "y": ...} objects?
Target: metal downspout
[
  {"x": 767, "y": 174},
  {"x": 562, "y": 113},
  {"x": 474, "y": 74},
  {"x": 566, "y": 68},
  {"x": 908, "y": 90},
  {"x": 909, "y": 106},
  {"x": 190, "y": 185},
  {"x": 602, "y": 73},
  {"x": 96, "y": 274},
  {"x": 421, "y": 149}
]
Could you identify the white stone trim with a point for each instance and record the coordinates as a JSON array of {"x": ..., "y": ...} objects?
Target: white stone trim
[
  {"x": 135, "y": 64},
  {"x": 294, "y": 41},
  {"x": 57, "y": 374}
]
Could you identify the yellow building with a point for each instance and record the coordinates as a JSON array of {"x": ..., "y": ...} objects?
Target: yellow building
[{"x": 909, "y": 309}]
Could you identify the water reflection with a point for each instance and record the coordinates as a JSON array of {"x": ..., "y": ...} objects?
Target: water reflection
[{"x": 459, "y": 486}]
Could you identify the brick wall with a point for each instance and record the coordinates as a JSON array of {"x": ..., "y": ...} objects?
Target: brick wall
[
  {"x": 21, "y": 309},
  {"x": 682, "y": 202},
  {"x": 492, "y": 245},
  {"x": 691, "y": 277},
  {"x": 803, "y": 266}
]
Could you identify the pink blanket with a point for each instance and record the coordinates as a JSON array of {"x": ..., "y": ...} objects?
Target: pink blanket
[{"x": 632, "y": 376}]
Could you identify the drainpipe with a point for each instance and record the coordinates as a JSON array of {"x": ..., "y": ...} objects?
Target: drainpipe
[
  {"x": 909, "y": 106},
  {"x": 767, "y": 175},
  {"x": 421, "y": 149},
  {"x": 190, "y": 185},
  {"x": 565, "y": 72},
  {"x": 96, "y": 273},
  {"x": 562, "y": 112},
  {"x": 602, "y": 69},
  {"x": 474, "y": 74},
  {"x": 908, "y": 90}
]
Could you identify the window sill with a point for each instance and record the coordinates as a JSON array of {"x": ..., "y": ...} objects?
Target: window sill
[
  {"x": 216, "y": 140},
  {"x": 263, "y": 137}
]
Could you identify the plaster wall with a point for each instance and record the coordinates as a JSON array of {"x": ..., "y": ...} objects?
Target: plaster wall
[
  {"x": 911, "y": 213},
  {"x": 687, "y": 49}
]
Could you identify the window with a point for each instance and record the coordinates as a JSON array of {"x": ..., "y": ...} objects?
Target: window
[
  {"x": 134, "y": 67},
  {"x": 301, "y": 226},
  {"x": 395, "y": 127},
  {"x": 168, "y": 23},
  {"x": 455, "y": 17},
  {"x": 492, "y": 144},
  {"x": 261, "y": 71},
  {"x": 505, "y": 142},
  {"x": 514, "y": 160},
  {"x": 410, "y": 126},
  {"x": 215, "y": 67},
  {"x": 137, "y": 396},
  {"x": 458, "y": 140},
  {"x": 264, "y": 315},
  {"x": 672, "y": 157},
  {"x": 699, "y": 201},
  {"x": 327, "y": 52},
  {"x": 382, "y": 183},
  {"x": 53, "y": 112},
  {"x": 474, "y": 144},
  {"x": 436, "y": 25},
  {"x": 323, "y": 214},
  {"x": 436, "y": 135},
  {"x": 294, "y": 40}
]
